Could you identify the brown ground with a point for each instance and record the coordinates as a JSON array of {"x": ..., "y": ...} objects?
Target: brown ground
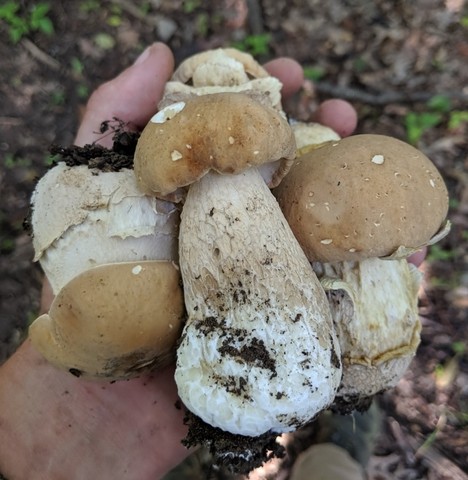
[{"x": 389, "y": 58}]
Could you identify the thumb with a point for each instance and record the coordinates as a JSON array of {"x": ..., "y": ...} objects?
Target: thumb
[{"x": 132, "y": 97}]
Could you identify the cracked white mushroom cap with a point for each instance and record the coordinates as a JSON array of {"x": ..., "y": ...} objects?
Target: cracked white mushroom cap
[
  {"x": 363, "y": 196},
  {"x": 84, "y": 217},
  {"x": 113, "y": 321}
]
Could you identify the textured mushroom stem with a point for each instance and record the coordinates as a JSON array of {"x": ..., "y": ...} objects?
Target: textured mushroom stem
[
  {"x": 374, "y": 305},
  {"x": 258, "y": 353}
]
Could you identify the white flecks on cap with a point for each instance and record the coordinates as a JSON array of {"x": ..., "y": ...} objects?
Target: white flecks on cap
[
  {"x": 176, "y": 155},
  {"x": 137, "y": 269},
  {"x": 167, "y": 113},
  {"x": 378, "y": 159}
]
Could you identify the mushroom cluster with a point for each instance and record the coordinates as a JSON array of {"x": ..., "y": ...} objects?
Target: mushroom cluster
[{"x": 272, "y": 253}]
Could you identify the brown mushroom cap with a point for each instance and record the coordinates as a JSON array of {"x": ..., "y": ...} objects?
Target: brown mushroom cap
[
  {"x": 363, "y": 196},
  {"x": 114, "y": 321},
  {"x": 224, "y": 132}
]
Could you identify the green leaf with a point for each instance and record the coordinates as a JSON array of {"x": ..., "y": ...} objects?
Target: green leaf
[
  {"x": 114, "y": 21},
  {"x": 314, "y": 73},
  {"x": 18, "y": 32},
  {"x": 82, "y": 91},
  {"x": 418, "y": 123},
  {"x": 256, "y": 45},
  {"x": 457, "y": 118},
  {"x": 440, "y": 103},
  {"x": 8, "y": 10},
  {"x": 40, "y": 10},
  {"x": 191, "y": 5},
  {"x": 459, "y": 348},
  {"x": 77, "y": 66},
  {"x": 104, "y": 41},
  {"x": 437, "y": 253},
  {"x": 46, "y": 26}
]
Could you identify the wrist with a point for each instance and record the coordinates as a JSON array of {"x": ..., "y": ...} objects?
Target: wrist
[{"x": 50, "y": 421}]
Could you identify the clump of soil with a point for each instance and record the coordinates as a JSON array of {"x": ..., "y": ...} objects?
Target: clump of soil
[
  {"x": 237, "y": 454},
  {"x": 96, "y": 156}
]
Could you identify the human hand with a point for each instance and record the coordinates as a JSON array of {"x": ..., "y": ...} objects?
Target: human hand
[{"x": 53, "y": 425}]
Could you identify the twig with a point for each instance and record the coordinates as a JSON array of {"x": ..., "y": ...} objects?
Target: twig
[
  {"x": 40, "y": 55},
  {"x": 439, "y": 463},
  {"x": 382, "y": 98},
  {"x": 255, "y": 17},
  {"x": 133, "y": 10}
]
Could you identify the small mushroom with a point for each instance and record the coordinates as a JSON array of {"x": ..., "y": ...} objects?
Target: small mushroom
[
  {"x": 222, "y": 70},
  {"x": 258, "y": 352},
  {"x": 358, "y": 207},
  {"x": 83, "y": 218},
  {"x": 114, "y": 321}
]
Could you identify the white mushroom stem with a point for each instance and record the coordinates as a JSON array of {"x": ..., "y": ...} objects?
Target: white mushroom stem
[
  {"x": 374, "y": 307},
  {"x": 258, "y": 352}
]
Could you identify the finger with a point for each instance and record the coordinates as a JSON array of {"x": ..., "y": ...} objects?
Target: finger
[
  {"x": 132, "y": 96},
  {"x": 418, "y": 257},
  {"x": 288, "y": 72},
  {"x": 339, "y": 115}
]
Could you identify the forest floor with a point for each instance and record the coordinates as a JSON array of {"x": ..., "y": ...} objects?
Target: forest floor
[{"x": 403, "y": 65}]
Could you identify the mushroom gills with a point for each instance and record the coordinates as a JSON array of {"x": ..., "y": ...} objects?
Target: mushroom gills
[{"x": 258, "y": 353}]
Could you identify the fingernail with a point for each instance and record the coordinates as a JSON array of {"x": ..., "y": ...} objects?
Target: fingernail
[{"x": 143, "y": 56}]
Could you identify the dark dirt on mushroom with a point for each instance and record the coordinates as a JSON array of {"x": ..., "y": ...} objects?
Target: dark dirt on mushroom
[{"x": 235, "y": 453}]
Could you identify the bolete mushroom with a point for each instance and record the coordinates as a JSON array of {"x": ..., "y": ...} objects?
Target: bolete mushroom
[
  {"x": 85, "y": 217},
  {"x": 258, "y": 353},
  {"x": 358, "y": 207},
  {"x": 222, "y": 70}
]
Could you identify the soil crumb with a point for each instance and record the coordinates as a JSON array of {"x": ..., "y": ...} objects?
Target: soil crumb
[{"x": 237, "y": 454}]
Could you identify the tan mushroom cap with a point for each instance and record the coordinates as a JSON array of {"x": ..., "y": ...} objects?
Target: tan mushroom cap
[
  {"x": 114, "y": 321},
  {"x": 363, "y": 196},
  {"x": 224, "y": 132}
]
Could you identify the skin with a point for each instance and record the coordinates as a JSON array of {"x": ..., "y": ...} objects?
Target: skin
[{"x": 55, "y": 426}]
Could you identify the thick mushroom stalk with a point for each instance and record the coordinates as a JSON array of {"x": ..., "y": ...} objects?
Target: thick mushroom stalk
[
  {"x": 110, "y": 319},
  {"x": 350, "y": 203},
  {"x": 258, "y": 353},
  {"x": 374, "y": 306}
]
